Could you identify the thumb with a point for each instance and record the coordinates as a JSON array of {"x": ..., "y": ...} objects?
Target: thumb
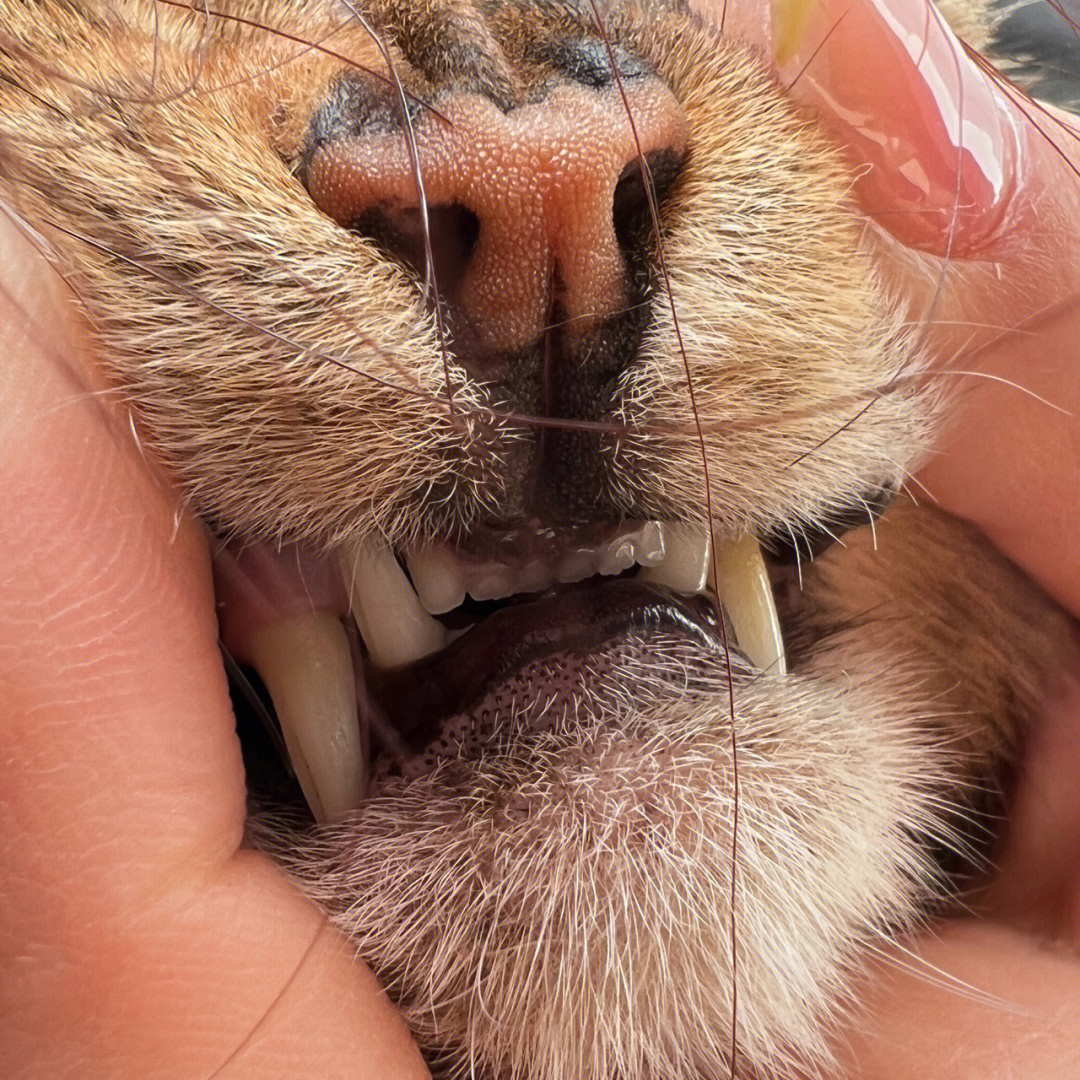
[
  {"x": 136, "y": 937},
  {"x": 938, "y": 143},
  {"x": 975, "y": 186}
]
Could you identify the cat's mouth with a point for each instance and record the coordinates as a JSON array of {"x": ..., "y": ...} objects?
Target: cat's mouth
[{"x": 447, "y": 651}]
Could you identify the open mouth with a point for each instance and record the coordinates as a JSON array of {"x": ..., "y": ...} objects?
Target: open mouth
[{"x": 447, "y": 651}]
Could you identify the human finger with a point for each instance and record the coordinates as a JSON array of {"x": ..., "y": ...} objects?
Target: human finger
[
  {"x": 981, "y": 187},
  {"x": 137, "y": 938},
  {"x": 967, "y": 1000},
  {"x": 974, "y": 195}
]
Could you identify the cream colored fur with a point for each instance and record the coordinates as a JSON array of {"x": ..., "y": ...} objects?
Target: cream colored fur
[{"x": 559, "y": 910}]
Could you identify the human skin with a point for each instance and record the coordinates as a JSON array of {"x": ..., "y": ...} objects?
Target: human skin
[{"x": 139, "y": 939}]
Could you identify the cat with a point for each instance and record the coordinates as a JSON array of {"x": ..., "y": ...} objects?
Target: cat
[{"x": 613, "y": 460}]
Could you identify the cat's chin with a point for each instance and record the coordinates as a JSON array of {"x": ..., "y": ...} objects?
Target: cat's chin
[{"x": 559, "y": 905}]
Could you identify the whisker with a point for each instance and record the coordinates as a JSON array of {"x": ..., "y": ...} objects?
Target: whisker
[
  {"x": 1011, "y": 383},
  {"x": 813, "y": 56},
  {"x": 430, "y": 284},
  {"x": 928, "y": 320},
  {"x": 941, "y": 979},
  {"x": 654, "y": 213}
]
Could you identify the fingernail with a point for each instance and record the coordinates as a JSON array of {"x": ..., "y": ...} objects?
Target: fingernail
[{"x": 933, "y": 140}]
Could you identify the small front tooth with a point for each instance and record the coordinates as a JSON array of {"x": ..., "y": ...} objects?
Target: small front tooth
[
  {"x": 438, "y": 578},
  {"x": 617, "y": 556},
  {"x": 576, "y": 565},
  {"x": 685, "y": 565},
  {"x": 650, "y": 544},
  {"x": 745, "y": 593},
  {"x": 535, "y": 576},
  {"x": 393, "y": 623},
  {"x": 307, "y": 667},
  {"x": 491, "y": 582}
]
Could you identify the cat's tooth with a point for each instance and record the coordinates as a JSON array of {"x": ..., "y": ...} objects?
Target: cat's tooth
[
  {"x": 307, "y": 667},
  {"x": 745, "y": 592},
  {"x": 577, "y": 565},
  {"x": 438, "y": 578},
  {"x": 685, "y": 565},
  {"x": 649, "y": 549},
  {"x": 492, "y": 581},
  {"x": 393, "y": 623},
  {"x": 618, "y": 555},
  {"x": 535, "y": 576}
]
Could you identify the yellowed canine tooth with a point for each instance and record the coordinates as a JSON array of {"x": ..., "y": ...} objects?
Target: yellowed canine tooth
[
  {"x": 307, "y": 666},
  {"x": 745, "y": 592},
  {"x": 393, "y": 623}
]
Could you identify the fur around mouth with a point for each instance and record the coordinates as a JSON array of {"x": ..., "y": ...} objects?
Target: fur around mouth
[{"x": 436, "y": 653}]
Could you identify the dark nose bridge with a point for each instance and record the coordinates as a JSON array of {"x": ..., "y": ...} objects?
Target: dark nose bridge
[{"x": 540, "y": 180}]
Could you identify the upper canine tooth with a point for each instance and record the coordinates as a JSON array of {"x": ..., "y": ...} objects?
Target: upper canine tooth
[
  {"x": 745, "y": 593},
  {"x": 438, "y": 578},
  {"x": 685, "y": 565},
  {"x": 307, "y": 667},
  {"x": 393, "y": 623}
]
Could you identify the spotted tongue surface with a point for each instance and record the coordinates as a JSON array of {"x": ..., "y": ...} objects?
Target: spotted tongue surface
[{"x": 571, "y": 626}]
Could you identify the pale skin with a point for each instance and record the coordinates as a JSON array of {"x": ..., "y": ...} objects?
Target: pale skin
[{"x": 139, "y": 939}]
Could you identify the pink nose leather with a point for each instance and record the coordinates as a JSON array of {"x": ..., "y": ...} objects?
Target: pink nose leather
[{"x": 541, "y": 182}]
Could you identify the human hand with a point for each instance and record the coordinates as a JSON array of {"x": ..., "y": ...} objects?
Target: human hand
[
  {"x": 979, "y": 236},
  {"x": 137, "y": 938},
  {"x": 988, "y": 224}
]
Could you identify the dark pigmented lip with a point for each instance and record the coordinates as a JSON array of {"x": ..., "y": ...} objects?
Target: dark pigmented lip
[{"x": 577, "y": 621}]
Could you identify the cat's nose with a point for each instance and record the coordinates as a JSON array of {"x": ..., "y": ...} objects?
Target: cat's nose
[{"x": 536, "y": 215}]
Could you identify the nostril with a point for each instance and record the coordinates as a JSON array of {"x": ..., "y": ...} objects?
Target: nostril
[
  {"x": 532, "y": 209},
  {"x": 399, "y": 231},
  {"x": 631, "y": 214}
]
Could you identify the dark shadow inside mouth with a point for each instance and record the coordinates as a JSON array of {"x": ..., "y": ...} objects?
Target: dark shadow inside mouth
[
  {"x": 270, "y": 779},
  {"x": 803, "y": 543}
]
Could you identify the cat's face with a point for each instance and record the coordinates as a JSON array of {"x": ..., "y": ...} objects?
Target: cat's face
[{"x": 639, "y": 268}]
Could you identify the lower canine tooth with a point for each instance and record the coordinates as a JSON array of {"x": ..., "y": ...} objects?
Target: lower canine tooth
[
  {"x": 307, "y": 667},
  {"x": 685, "y": 566},
  {"x": 393, "y": 623},
  {"x": 745, "y": 593}
]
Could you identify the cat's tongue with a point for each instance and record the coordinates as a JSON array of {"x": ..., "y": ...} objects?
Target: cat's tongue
[{"x": 432, "y": 687}]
